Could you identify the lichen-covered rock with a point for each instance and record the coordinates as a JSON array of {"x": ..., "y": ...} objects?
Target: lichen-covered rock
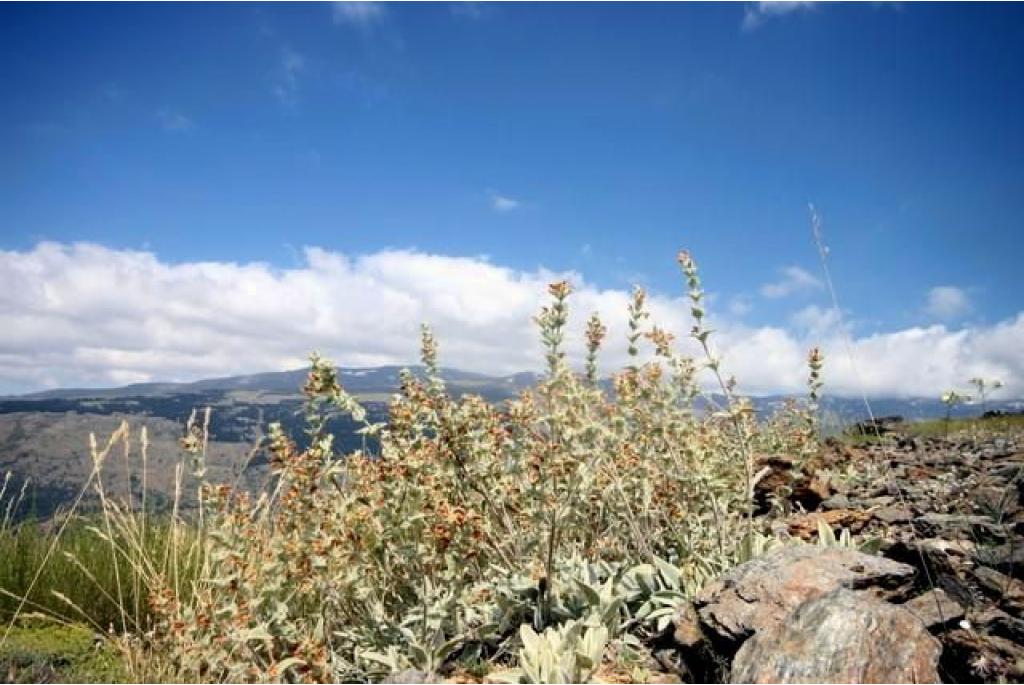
[
  {"x": 973, "y": 656},
  {"x": 1008, "y": 558},
  {"x": 841, "y": 637},
  {"x": 994, "y": 621},
  {"x": 956, "y": 525},
  {"x": 894, "y": 513},
  {"x": 1009, "y": 592},
  {"x": 761, "y": 593},
  {"x": 935, "y": 609},
  {"x": 837, "y": 501},
  {"x": 806, "y": 527}
]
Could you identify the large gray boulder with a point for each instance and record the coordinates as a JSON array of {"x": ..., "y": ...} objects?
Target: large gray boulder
[
  {"x": 761, "y": 593},
  {"x": 840, "y": 637}
]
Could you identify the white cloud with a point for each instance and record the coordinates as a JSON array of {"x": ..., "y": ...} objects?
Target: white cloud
[
  {"x": 756, "y": 13},
  {"x": 816, "y": 321},
  {"x": 174, "y": 121},
  {"x": 947, "y": 302},
  {"x": 286, "y": 76},
  {"x": 794, "y": 280},
  {"x": 86, "y": 315},
  {"x": 361, "y": 14},
  {"x": 740, "y": 306},
  {"x": 501, "y": 203}
]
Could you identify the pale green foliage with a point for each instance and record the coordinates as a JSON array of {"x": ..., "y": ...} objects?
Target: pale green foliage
[
  {"x": 567, "y": 653},
  {"x": 659, "y": 588},
  {"x": 985, "y": 388},
  {"x": 759, "y": 544},
  {"x": 828, "y": 538},
  {"x": 951, "y": 398}
]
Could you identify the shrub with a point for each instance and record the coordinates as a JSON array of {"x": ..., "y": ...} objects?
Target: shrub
[{"x": 568, "y": 518}]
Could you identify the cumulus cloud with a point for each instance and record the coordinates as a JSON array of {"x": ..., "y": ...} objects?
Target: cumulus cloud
[
  {"x": 361, "y": 14},
  {"x": 947, "y": 302},
  {"x": 815, "y": 320},
  {"x": 756, "y": 13},
  {"x": 740, "y": 306},
  {"x": 86, "y": 315},
  {"x": 793, "y": 280}
]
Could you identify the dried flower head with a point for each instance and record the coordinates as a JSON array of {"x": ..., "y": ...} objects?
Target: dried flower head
[
  {"x": 560, "y": 289},
  {"x": 662, "y": 341}
]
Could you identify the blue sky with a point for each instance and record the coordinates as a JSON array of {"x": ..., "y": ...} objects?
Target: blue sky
[{"x": 596, "y": 138}]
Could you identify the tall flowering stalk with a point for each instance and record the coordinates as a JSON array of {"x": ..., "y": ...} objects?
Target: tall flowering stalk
[
  {"x": 815, "y": 362},
  {"x": 984, "y": 389},
  {"x": 737, "y": 410},
  {"x": 552, "y": 320},
  {"x": 637, "y": 315},
  {"x": 596, "y": 332},
  {"x": 951, "y": 398}
]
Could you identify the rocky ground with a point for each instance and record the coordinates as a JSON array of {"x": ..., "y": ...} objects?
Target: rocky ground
[{"x": 942, "y": 598}]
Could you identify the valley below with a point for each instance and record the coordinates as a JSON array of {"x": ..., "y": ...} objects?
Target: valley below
[{"x": 44, "y": 436}]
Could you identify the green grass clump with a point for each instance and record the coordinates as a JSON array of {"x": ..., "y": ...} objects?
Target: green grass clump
[
  {"x": 77, "y": 576},
  {"x": 971, "y": 427},
  {"x": 38, "y": 652},
  {"x": 859, "y": 439}
]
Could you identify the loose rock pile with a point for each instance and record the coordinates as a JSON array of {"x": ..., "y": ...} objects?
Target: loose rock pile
[{"x": 943, "y": 600}]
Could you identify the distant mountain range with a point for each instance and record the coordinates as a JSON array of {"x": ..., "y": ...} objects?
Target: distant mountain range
[
  {"x": 377, "y": 384},
  {"x": 372, "y": 381},
  {"x": 44, "y": 435}
]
